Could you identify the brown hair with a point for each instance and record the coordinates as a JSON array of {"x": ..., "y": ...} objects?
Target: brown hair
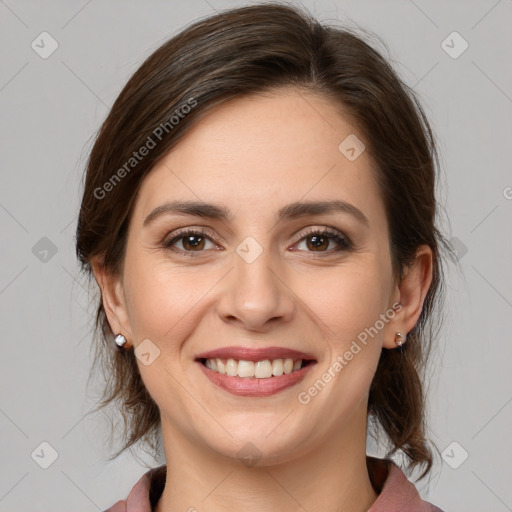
[{"x": 250, "y": 50}]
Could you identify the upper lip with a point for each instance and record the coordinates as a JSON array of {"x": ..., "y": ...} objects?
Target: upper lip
[{"x": 255, "y": 354}]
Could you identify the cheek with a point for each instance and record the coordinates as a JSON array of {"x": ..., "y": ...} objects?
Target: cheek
[
  {"x": 163, "y": 300},
  {"x": 346, "y": 300}
]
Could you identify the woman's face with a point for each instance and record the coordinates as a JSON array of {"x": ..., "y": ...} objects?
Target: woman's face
[{"x": 264, "y": 276}]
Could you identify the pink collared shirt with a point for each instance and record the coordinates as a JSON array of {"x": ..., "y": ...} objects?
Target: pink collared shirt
[{"x": 396, "y": 492}]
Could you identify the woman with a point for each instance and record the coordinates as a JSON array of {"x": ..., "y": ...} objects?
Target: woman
[{"x": 259, "y": 215}]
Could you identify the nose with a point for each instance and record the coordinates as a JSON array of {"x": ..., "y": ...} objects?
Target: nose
[{"x": 255, "y": 294}]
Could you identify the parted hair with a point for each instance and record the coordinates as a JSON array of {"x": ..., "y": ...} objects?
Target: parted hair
[{"x": 249, "y": 50}]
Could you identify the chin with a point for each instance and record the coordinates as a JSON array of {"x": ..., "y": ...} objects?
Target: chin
[{"x": 259, "y": 446}]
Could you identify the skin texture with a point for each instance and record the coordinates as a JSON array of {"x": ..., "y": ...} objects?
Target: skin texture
[{"x": 254, "y": 155}]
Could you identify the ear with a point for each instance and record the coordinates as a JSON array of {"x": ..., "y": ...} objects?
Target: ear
[
  {"x": 410, "y": 293},
  {"x": 114, "y": 300}
]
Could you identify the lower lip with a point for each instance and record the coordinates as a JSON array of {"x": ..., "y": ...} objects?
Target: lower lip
[{"x": 244, "y": 386}]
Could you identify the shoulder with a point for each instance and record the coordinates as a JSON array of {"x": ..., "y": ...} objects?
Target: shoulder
[
  {"x": 119, "y": 506},
  {"x": 144, "y": 494},
  {"x": 396, "y": 492}
]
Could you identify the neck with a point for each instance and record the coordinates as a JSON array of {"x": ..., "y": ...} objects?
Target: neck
[{"x": 330, "y": 477}]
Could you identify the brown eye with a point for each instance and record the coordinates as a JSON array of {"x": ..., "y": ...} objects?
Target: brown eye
[
  {"x": 320, "y": 240},
  {"x": 192, "y": 241},
  {"x": 317, "y": 242}
]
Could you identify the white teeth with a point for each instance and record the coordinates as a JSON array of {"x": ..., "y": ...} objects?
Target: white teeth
[
  {"x": 231, "y": 367},
  {"x": 250, "y": 369},
  {"x": 263, "y": 369},
  {"x": 277, "y": 367},
  {"x": 212, "y": 364},
  {"x": 245, "y": 369},
  {"x": 221, "y": 367}
]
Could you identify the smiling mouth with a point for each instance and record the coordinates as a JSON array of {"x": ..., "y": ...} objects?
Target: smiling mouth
[{"x": 264, "y": 369}]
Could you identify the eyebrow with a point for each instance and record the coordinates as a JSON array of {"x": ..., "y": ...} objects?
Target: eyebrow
[{"x": 290, "y": 211}]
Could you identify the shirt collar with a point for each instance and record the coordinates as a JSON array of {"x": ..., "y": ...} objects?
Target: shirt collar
[{"x": 395, "y": 491}]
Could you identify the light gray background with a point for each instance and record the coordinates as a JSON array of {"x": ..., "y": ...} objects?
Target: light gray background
[{"x": 50, "y": 108}]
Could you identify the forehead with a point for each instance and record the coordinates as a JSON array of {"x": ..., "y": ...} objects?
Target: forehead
[{"x": 265, "y": 151}]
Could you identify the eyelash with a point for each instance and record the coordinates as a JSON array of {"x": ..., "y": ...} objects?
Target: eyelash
[{"x": 344, "y": 244}]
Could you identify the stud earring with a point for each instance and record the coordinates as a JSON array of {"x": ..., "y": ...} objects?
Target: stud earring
[
  {"x": 400, "y": 339},
  {"x": 120, "y": 341}
]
